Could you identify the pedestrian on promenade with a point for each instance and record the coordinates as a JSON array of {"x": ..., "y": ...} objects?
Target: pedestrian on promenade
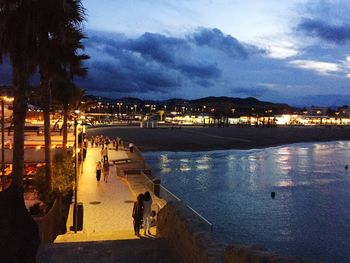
[
  {"x": 105, "y": 171},
  {"x": 137, "y": 214},
  {"x": 92, "y": 141},
  {"x": 98, "y": 171},
  {"x": 84, "y": 152},
  {"x": 96, "y": 140},
  {"x": 105, "y": 154},
  {"x": 101, "y": 154},
  {"x": 116, "y": 144},
  {"x": 107, "y": 142},
  {"x": 147, "y": 211}
]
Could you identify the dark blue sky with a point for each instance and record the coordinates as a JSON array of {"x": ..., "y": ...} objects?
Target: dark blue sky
[{"x": 296, "y": 52}]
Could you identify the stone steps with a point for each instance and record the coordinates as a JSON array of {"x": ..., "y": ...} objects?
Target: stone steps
[{"x": 145, "y": 250}]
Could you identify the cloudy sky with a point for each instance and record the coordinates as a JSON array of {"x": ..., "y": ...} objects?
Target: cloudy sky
[{"x": 295, "y": 51}]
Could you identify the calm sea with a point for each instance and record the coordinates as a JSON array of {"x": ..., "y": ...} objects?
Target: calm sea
[{"x": 310, "y": 215}]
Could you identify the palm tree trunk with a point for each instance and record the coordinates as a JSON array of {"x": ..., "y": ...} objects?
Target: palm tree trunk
[
  {"x": 46, "y": 93},
  {"x": 19, "y": 115},
  {"x": 65, "y": 129}
]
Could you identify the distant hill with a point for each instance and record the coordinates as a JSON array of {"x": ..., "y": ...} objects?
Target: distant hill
[{"x": 218, "y": 102}]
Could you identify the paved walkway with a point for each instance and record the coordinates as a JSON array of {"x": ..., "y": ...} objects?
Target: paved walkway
[
  {"x": 107, "y": 206},
  {"x": 107, "y": 234}
]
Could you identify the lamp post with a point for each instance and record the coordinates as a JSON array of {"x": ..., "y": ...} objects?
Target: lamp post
[
  {"x": 3, "y": 178},
  {"x": 82, "y": 143},
  {"x": 203, "y": 115},
  {"x": 99, "y": 112},
  {"x": 75, "y": 219},
  {"x": 119, "y": 106}
]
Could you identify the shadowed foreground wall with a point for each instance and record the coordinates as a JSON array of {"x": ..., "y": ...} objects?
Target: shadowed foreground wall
[
  {"x": 186, "y": 235},
  {"x": 19, "y": 237}
]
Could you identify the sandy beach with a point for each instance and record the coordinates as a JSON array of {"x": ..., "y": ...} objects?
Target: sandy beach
[{"x": 204, "y": 139}]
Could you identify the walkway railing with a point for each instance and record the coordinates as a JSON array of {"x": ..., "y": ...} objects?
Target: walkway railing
[
  {"x": 157, "y": 189},
  {"x": 167, "y": 195}
]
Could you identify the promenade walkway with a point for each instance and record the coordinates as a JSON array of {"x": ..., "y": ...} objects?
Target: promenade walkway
[
  {"x": 107, "y": 234},
  {"x": 107, "y": 206}
]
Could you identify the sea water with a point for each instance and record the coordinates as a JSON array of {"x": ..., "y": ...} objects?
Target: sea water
[{"x": 309, "y": 216}]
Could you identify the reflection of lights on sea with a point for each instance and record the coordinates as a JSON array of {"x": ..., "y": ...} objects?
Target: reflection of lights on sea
[
  {"x": 165, "y": 170},
  {"x": 164, "y": 159},
  {"x": 184, "y": 168},
  {"x": 164, "y": 164},
  {"x": 203, "y": 163},
  {"x": 285, "y": 183},
  {"x": 203, "y": 159},
  {"x": 201, "y": 167}
]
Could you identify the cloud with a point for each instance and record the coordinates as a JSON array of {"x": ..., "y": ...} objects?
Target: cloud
[
  {"x": 338, "y": 34},
  {"x": 157, "y": 47},
  {"x": 159, "y": 63},
  {"x": 216, "y": 39},
  {"x": 320, "y": 67}
]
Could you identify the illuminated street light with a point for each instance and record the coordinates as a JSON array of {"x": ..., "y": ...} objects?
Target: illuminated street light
[
  {"x": 3, "y": 178},
  {"x": 76, "y": 171},
  {"x": 99, "y": 111}
]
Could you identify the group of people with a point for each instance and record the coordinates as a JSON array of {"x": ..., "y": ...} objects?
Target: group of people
[
  {"x": 101, "y": 141},
  {"x": 141, "y": 213},
  {"x": 104, "y": 169}
]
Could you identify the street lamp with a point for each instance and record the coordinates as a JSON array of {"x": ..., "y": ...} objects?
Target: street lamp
[
  {"x": 3, "y": 178},
  {"x": 119, "y": 105},
  {"x": 203, "y": 115},
  {"x": 76, "y": 171},
  {"x": 99, "y": 112}
]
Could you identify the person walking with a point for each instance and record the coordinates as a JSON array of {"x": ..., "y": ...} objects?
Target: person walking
[
  {"x": 147, "y": 210},
  {"x": 92, "y": 141},
  {"x": 105, "y": 171},
  {"x": 105, "y": 154},
  {"x": 137, "y": 214},
  {"x": 116, "y": 144},
  {"x": 98, "y": 171}
]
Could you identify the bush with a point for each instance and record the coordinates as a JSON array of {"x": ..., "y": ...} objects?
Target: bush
[{"x": 62, "y": 180}]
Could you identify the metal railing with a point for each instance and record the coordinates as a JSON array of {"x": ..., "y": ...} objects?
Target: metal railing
[{"x": 160, "y": 191}]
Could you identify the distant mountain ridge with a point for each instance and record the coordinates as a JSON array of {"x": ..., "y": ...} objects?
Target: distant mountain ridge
[{"x": 250, "y": 101}]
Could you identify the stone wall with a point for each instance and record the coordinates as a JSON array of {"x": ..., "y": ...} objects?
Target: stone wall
[
  {"x": 49, "y": 224},
  {"x": 19, "y": 236},
  {"x": 190, "y": 240},
  {"x": 186, "y": 235}
]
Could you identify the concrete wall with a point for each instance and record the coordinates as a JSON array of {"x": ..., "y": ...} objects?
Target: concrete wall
[
  {"x": 186, "y": 235},
  {"x": 49, "y": 224},
  {"x": 190, "y": 240}
]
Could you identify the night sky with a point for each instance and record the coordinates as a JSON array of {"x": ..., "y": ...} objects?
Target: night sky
[{"x": 296, "y": 52}]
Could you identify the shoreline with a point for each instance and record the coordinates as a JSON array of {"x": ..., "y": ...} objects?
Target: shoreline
[{"x": 189, "y": 139}]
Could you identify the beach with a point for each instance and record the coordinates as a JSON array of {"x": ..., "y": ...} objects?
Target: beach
[{"x": 213, "y": 138}]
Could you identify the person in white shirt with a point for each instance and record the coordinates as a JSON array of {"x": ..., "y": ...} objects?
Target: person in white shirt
[
  {"x": 105, "y": 154},
  {"x": 147, "y": 210}
]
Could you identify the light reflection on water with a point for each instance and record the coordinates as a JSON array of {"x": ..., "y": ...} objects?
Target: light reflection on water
[{"x": 309, "y": 216}]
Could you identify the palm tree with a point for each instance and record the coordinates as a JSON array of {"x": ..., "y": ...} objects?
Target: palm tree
[
  {"x": 54, "y": 40},
  {"x": 67, "y": 96},
  {"x": 17, "y": 19}
]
